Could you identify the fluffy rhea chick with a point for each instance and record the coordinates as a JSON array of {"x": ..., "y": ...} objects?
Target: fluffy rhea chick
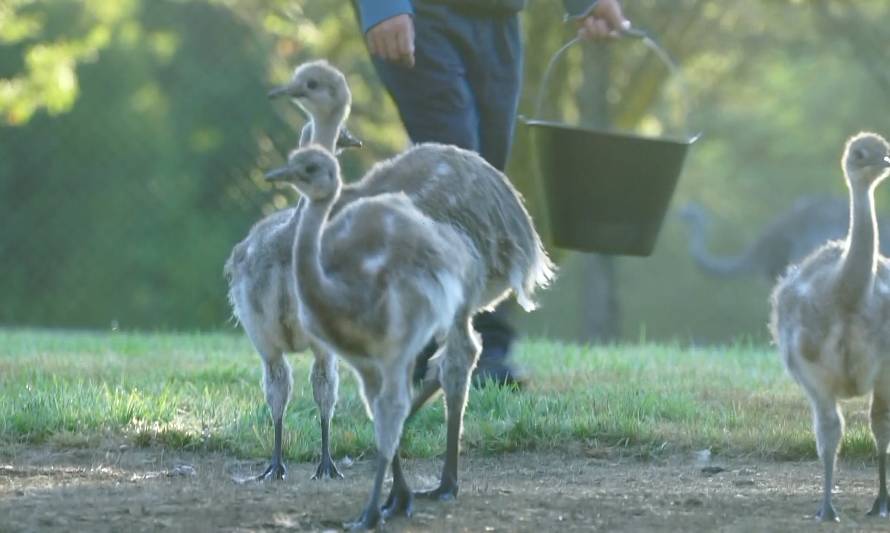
[
  {"x": 322, "y": 92},
  {"x": 376, "y": 283},
  {"x": 260, "y": 268},
  {"x": 830, "y": 316}
]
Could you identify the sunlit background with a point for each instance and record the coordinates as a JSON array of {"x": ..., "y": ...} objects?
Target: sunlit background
[{"x": 134, "y": 134}]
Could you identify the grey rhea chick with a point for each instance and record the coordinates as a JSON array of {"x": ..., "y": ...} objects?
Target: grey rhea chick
[
  {"x": 375, "y": 283},
  {"x": 458, "y": 188},
  {"x": 259, "y": 273},
  {"x": 829, "y": 320},
  {"x": 321, "y": 92}
]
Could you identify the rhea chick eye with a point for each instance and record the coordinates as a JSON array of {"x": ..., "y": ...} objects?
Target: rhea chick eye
[
  {"x": 311, "y": 168},
  {"x": 312, "y": 85}
]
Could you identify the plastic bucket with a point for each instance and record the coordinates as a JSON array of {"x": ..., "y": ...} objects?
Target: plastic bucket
[{"x": 606, "y": 192}]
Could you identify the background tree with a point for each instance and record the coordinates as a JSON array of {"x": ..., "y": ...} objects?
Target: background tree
[{"x": 135, "y": 132}]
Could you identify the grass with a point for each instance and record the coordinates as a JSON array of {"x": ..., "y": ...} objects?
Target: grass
[{"x": 202, "y": 392}]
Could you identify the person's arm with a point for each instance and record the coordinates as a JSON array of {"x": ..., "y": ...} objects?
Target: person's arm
[
  {"x": 577, "y": 9},
  {"x": 389, "y": 29},
  {"x": 597, "y": 19},
  {"x": 373, "y": 12}
]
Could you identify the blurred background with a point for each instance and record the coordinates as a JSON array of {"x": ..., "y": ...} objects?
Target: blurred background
[{"x": 134, "y": 135}]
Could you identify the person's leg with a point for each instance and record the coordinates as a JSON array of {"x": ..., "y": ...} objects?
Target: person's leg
[
  {"x": 497, "y": 340},
  {"x": 433, "y": 97},
  {"x": 439, "y": 101},
  {"x": 494, "y": 67},
  {"x": 494, "y": 72}
]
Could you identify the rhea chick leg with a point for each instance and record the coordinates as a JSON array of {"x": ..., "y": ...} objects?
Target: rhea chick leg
[
  {"x": 277, "y": 383},
  {"x": 390, "y": 408},
  {"x": 463, "y": 347},
  {"x": 325, "y": 385},
  {"x": 829, "y": 425},
  {"x": 880, "y": 428},
  {"x": 401, "y": 499}
]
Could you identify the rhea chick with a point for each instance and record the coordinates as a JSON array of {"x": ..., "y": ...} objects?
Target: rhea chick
[
  {"x": 259, "y": 272},
  {"x": 375, "y": 284},
  {"x": 829, "y": 320}
]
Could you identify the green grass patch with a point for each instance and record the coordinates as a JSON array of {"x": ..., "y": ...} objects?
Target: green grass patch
[{"x": 202, "y": 392}]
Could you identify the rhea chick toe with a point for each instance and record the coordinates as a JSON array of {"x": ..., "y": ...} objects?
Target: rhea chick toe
[{"x": 829, "y": 321}]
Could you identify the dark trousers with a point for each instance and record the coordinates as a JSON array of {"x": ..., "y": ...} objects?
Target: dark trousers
[{"x": 463, "y": 90}]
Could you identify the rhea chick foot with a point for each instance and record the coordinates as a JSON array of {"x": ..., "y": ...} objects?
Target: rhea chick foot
[{"x": 829, "y": 321}]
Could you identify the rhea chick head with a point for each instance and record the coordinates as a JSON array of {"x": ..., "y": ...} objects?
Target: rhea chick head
[
  {"x": 312, "y": 170},
  {"x": 866, "y": 159},
  {"x": 318, "y": 88}
]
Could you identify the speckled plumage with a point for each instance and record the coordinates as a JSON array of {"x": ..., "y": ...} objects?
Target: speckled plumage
[
  {"x": 259, "y": 273},
  {"x": 830, "y": 318},
  {"x": 376, "y": 282}
]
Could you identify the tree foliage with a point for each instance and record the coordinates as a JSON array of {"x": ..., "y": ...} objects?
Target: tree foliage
[{"x": 134, "y": 133}]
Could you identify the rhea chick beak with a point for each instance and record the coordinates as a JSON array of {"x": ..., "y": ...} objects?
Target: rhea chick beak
[
  {"x": 291, "y": 89},
  {"x": 279, "y": 174}
]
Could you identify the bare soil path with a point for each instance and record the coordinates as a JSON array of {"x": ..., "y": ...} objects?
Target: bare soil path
[{"x": 149, "y": 490}]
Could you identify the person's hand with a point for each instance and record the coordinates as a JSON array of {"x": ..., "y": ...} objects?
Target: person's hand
[
  {"x": 393, "y": 40},
  {"x": 604, "y": 21}
]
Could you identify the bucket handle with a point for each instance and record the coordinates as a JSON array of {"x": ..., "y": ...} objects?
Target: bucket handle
[{"x": 633, "y": 33}]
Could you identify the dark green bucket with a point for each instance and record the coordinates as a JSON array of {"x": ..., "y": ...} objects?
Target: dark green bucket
[{"x": 606, "y": 192}]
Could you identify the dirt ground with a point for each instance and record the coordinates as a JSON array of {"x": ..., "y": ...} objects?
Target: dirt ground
[{"x": 146, "y": 490}]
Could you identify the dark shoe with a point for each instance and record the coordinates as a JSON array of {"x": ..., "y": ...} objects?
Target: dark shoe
[
  {"x": 494, "y": 368},
  {"x": 422, "y": 365},
  {"x": 494, "y": 365}
]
